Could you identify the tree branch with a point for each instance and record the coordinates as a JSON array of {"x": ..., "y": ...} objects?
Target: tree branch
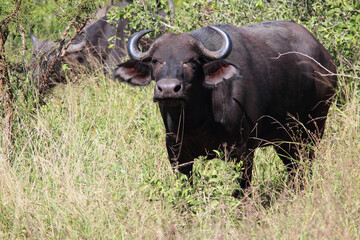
[{"x": 329, "y": 73}]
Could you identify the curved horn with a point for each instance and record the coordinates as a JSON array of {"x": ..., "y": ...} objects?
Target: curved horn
[
  {"x": 36, "y": 43},
  {"x": 224, "y": 51},
  {"x": 76, "y": 47},
  {"x": 33, "y": 38},
  {"x": 132, "y": 46}
]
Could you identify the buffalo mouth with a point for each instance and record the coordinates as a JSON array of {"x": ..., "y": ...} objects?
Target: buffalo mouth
[{"x": 170, "y": 102}]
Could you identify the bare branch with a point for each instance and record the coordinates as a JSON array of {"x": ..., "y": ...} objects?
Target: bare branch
[
  {"x": 7, "y": 20},
  {"x": 167, "y": 25},
  {"x": 329, "y": 73},
  {"x": 23, "y": 40},
  {"x": 77, "y": 30},
  {"x": 62, "y": 49}
]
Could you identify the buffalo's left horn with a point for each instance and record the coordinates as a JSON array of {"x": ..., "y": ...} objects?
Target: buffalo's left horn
[
  {"x": 225, "y": 49},
  {"x": 76, "y": 47},
  {"x": 132, "y": 46}
]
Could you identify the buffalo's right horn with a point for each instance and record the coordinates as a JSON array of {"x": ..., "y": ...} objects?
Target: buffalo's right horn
[
  {"x": 132, "y": 46},
  {"x": 225, "y": 49}
]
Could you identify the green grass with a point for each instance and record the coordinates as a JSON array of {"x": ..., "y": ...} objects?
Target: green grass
[{"x": 92, "y": 164}]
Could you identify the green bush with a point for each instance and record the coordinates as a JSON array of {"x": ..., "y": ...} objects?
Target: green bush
[{"x": 335, "y": 23}]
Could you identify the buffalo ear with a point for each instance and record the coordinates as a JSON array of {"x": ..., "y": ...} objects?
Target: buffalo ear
[
  {"x": 133, "y": 72},
  {"x": 219, "y": 71}
]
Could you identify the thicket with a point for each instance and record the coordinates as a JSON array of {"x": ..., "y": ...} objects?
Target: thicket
[{"x": 335, "y": 23}]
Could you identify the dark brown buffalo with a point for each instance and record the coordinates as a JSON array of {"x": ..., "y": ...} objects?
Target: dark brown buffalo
[
  {"x": 89, "y": 47},
  {"x": 236, "y": 88},
  {"x": 91, "y": 41}
]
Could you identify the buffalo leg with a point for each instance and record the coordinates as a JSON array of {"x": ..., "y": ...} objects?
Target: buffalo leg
[
  {"x": 289, "y": 153},
  {"x": 181, "y": 165},
  {"x": 304, "y": 139}
]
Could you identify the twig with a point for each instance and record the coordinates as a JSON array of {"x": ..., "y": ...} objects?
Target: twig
[
  {"x": 62, "y": 49},
  {"x": 7, "y": 20},
  {"x": 167, "y": 25},
  {"x": 77, "y": 30},
  {"x": 329, "y": 73}
]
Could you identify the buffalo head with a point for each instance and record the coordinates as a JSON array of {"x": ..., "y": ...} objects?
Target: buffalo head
[
  {"x": 180, "y": 65},
  {"x": 48, "y": 58}
]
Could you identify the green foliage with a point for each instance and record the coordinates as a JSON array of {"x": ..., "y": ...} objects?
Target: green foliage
[
  {"x": 335, "y": 23},
  {"x": 48, "y": 19},
  {"x": 212, "y": 182},
  {"x": 144, "y": 16}
]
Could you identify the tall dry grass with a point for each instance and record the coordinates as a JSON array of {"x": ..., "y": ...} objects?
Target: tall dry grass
[{"x": 91, "y": 164}]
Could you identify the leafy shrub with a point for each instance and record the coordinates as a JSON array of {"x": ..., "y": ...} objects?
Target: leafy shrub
[
  {"x": 335, "y": 23},
  {"x": 153, "y": 15}
]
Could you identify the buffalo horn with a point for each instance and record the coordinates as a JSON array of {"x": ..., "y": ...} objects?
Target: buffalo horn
[
  {"x": 76, "y": 47},
  {"x": 224, "y": 51},
  {"x": 34, "y": 39},
  {"x": 36, "y": 43},
  {"x": 132, "y": 46}
]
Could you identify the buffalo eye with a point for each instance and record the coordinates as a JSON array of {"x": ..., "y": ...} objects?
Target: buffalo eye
[
  {"x": 186, "y": 65},
  {"x": 80, "y": 59},
  {"x": 156, "y": 62},
  {"x": 189, "y": 64}
]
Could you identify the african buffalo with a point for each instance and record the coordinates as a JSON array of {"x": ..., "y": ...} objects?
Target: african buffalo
[
  {"x": 91, "y": 45},
  {"x": 236, "y": 88}
]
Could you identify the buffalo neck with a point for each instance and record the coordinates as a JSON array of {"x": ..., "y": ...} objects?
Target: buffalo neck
[{"x": 193, "y": 115}]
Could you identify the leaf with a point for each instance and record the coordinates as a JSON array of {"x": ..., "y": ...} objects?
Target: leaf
[
  {"x": 65, "y": 67},
  {"x": 259, "y": 4},
  {"x": 193, "y": 202}
]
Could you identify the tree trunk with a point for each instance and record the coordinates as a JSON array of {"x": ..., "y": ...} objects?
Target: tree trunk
[{"x": 6, "y": 94}]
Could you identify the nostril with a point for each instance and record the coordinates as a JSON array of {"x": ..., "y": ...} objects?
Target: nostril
[
  {"x": 168, "y": 88},
  {"x": 177, "y": 88}
]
